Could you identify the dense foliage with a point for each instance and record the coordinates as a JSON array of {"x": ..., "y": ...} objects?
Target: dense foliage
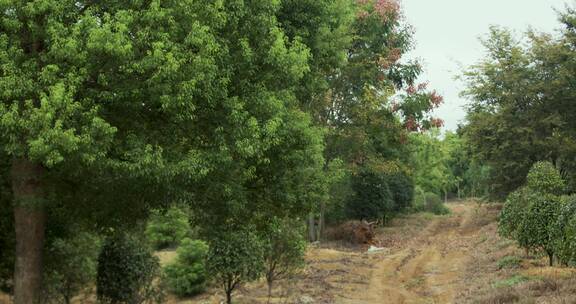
[
  {"x": 71, "y": 266},
  {"x": 126, "y": 272},
  {"x": 235, "y": 256},
  {"x": 187, "y": 275},
  {"x": 521, "y": 110},
  {"x": 167, "y": 229},
  {"x": 242, "y": 110},
  {"x": 533, "y": 215},
  {"x": 285, "y": 247}
]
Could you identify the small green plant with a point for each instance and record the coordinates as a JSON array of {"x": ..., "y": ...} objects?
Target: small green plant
[
  {"x": 430, "y": 202},
  {"x": 235, "y": 257},
  {"x": 512, "y": 281},
  {"x": 166, "y": 228},
  {"x": 126, "y": 270},
  {"x": 70, "y": 266},
  {"x": 509, "y": 261},
  {"x": 187, "y": 275}
]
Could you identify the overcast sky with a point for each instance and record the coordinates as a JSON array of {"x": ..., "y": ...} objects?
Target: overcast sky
[{"x": 447, "y": 33}]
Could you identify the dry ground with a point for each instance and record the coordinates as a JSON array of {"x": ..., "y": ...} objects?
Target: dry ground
[
  {"x": 455, "y": 258},
  {"x": 427, "y": 259}
]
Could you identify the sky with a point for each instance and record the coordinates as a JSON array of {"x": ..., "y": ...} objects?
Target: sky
[{"x": 447, "y": 36}]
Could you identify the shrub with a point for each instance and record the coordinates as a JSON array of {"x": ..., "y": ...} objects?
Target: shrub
[
  {"x": 513, "y": 211},
  {"x": 284, "y": 249},
  {"x": 545, "y": 178},
  {"x": 430, "y": 202},
  {"x": 402, "y": 188},
  {"x": 235, "y": 256},
  {"x": 535, "y": 230},
  {"x": 564, "y": 232},
  {"x": 70, "y": 266},
  {"x": 187, "y": 275},
  {"x": 568, "y": 253},
  {"x": 371, "y": 197},
  {"x": 168, "y": 228},
  {"x": 509, "y": 261},
  {"x": 126, "y": 271}
]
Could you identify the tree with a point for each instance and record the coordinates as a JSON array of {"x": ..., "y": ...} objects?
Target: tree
[
  {"x": 536, "y": 226},
  {"x": 235, "y": 257},
  {"x": 187, "y": 275},
  {"x": 126, "y": 272},
  {"x": 513, "y": 212},
  {"x": 167, "y": 229},
  {"x": 71, "y": 266},
  {"x": 148, "y": 98},
  {"x": 519, "y": 111},
  {"x": 284, "y": 249}
]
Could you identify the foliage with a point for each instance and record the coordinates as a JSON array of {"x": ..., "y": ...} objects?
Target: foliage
[
  {"x": 543, "y": 177},
  {"x": 371, "y": 197},
  {"x": 71, "y": 266},
  {"x": 430, "y": 202},
  {"x": 511, "y": 281},
  {"x": 536, "y": 226},
  {"x": 402, "y": 188},
  {"x": 519, "y": 111},
  {"x": 187, "y": 275},
  {"x": 235, "y": 256},
  {"x": 429, "y": 158},
  {"x": 513, "y": 212},
  {"x": 564, "y": 232},
  {"x": 126, "y": 272},
  {"x": 284, "y": 249},
  {"x": 168, "y": 228},
  {"x": 509, "y": 261}
]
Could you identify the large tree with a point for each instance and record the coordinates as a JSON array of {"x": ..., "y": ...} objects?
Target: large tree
[
  {"x": 521, "y": 110},
  {"x": 118, "y": 104}
]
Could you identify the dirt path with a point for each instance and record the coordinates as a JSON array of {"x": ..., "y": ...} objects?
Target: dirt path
[{"x": 426, "y": 269}]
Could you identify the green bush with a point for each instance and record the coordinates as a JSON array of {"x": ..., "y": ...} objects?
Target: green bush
[
  {"x": 563, "y": 233},
  {"x": 167, "y": 228},
  {"x": 513, "y": 211},
  {"x": 371, "y": 197},
  {"x": 430, "y": 202},
  {"x": 402, "y": 188},
  {"x": 509, "y": 261},
  {"x": 284, "y": 249},
  {"x": 536, "y": 226},
  {"x": 187, "y": 275},
  {"x": 126, "y": 271},
  {"x": 545, "y": 178},
  {"x": 235, "y": 256},
  {"x": 567, "y": 255},
  {"x": 70, "y": 266}
]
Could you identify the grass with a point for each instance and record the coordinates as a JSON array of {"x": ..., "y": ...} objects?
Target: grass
[
  {"x": 509, "y": 262},
  {"x": 511, "y": 281}
]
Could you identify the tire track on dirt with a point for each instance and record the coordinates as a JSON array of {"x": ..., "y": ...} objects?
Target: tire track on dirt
[{"x": 427, "y": 269}]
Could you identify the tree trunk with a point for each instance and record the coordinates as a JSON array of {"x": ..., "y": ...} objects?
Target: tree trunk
[
  {"x": 551, "y": 258},
  {"x": 29, "y": 223},
  {"x": 311, "y": 228},
  {"x": 321, "y": 222},
  {"x": 229, "y": 297},
  {"x": 459, "y": 194}
]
